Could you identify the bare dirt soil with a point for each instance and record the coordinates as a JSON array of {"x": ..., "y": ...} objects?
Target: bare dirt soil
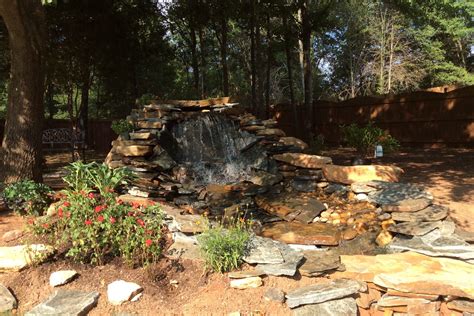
[{"x": 447, "y": 173}]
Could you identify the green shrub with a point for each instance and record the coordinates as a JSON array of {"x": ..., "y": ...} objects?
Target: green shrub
[
  {"x": 364, "y": 139},
  {"x": 122, "y": 126},
  {"x": 94, "y": 227},
  {"x": 27, "y": 197},
  {"x": 224, "y": 248},
  {"x": 316, "y": 144},
  {"x": 89, "y": 176}
]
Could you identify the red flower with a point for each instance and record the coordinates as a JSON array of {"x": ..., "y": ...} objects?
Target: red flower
[
  {"x": 31, "y": 221},
  {"x": 119, "y": 201},
  {"x": 68, "y": 214},
  {"x": 88, "y": 222},
  {"x": 45, "y": 225},
  {"x": 112, "y": 220},
  {"x": 100, "y": 218},
  {"x": 91, "y": 195},
  {"x": 99, "y": 208},
  {"x": 66, "y": 204},
  {"x": 60, "y": 212},
  {"x": 140, "y": 222},
  {"x": 135, "y": 205},
  {"x": 148, "y": 242}
]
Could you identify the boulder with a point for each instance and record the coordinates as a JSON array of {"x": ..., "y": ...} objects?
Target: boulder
[
  {"x": 119, "y": 292},
  {"x": 61, "y": 277},
  {"x": 291, "y": 260},
  {"x": 19, "y": 257},
  {"x": 263, "y": 250},
  {"x": 352, "y": 174},
  {"x": 409, "y": 205},
  {"x": 7, "y": 301},
  {"x": 430, "y": 214},
  {"x": 303, "y": 160},
  {"x": 342, "y": 307},
  {"x": 318, "y": 262},
  {"x": 274, "y": 294}
]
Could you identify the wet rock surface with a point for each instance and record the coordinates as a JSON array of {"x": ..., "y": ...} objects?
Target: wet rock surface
[{"x": 299, "y": 233}]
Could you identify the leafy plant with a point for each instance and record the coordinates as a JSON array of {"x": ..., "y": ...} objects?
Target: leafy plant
[
  {"x": 89, "y": 176},
  {"x": 364, "y": 139},
  {"x": 122, "y": 126},
  {"x": 27, "y": 197},
  {"x": 223, "y": 248},
  {"x": 316, "y": 143},
  {"x": 94, "y": 227}
]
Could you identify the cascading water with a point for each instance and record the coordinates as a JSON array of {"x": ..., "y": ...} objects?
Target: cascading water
[{"x": 215, "y": 150}]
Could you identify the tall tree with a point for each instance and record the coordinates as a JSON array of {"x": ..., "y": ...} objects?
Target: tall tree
[{"x": 20, "y": 155}]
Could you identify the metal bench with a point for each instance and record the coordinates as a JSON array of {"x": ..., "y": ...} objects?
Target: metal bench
[{"x": 63, "y": 136}]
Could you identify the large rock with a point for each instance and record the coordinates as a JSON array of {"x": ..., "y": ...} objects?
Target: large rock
[
  {"x": 291, "y": 207},
  {"x": 462, "y": 305},
  {"x": 19, "y": 257},
  {"x": 409, "y": 205},
  {"x": 65, "y": 302},
  {"x": 342, "y": 307},
  {"x": 322, "y": 292},
  {"x": 119, "y": 292},
  {"x": 305, "y": 234},
  {"x": 7, "y": 300},
  {"x": 430, "y": 214},
  {"x": 61, "y": 277},
  {"x": 391, "y": 193},
  {"x": 291, "y": 260},
  {"x": 318, "y": 262},
  {"x": 263, "y": 250},
  {"x": 264, "y": 178},
  {"x": 303, "y": 160},
  {"x": 412, "y": 272},
  {"x": 134, "y": 150},
  {"x": 351, "y": 174},
  {"x": 186, "y": 223},
  {"x": 293, "y": 142}
]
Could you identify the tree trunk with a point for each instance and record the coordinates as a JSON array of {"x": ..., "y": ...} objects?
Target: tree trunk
[
  {"x": 203, "y": 94},
  {"x": 269, "y": 66},
  {"x": 288, "y": 61},
  {"x": 259, "y": 69},
  {"x": 253, "y": 62},
  {"x": 301, "y": 50},
  {"x": 83, "y": 116},
  {"x": 195, "y": 62},
  {"x": 225, "y": 68},
  {"x": 390, "y": 60},
  {"x": 21, "y": 151},
  {"x": 308, "y": 82}
]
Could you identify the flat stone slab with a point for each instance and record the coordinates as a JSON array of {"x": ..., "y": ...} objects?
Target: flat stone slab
[
  {"x": 388, "y": 300},
  {"x": 413, "y": 228},
  {"x": 263, "y": 250},
  {"x": 342, "y": 307},
  {"x": 134, "y": 150},
  {"x": 432, "y": 213},
  {"x": 303, "y": 234},
  {"x": 293, "y": 141},
  {"x": 7, "y": 300},
  {"x": 409, "y": 205},
  {"x": 245, "y": 274},
  {"x": 411, "y": 272},
  {"x": 322, "y": 292},
  {"x": 66, "y": 303},
  {"x": 186, "y": 223},
  {"x": 391, "y": 193},
  {"x": 462, "y": 305},
  {"x": 303, "y": 160},
  {"x": 288, "y": 267},
  {"x": 444, "y": 246},
  {"x": 317, "y": 262},
  {"x": 352, "y": 174},
  {"x": 17, "y": 258},
  {"x": 61, "y": 277},
  {"x": 291, "y": 207}
]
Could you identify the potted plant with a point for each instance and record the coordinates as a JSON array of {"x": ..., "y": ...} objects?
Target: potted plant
[
  {"x": 123, "y": 128},
  {"x": 365, "y": 139}
]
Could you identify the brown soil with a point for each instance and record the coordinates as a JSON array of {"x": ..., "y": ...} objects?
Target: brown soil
[{"x": 448, "y": 174}]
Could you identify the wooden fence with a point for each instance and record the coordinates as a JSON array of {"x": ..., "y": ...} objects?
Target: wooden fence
[{"x": 420, "y": 118}]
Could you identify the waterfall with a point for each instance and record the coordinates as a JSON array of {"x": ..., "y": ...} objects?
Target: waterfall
[{"x": 216, "y": 150}]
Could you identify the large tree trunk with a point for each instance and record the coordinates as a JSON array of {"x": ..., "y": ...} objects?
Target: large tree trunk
[
  {"x": 195, "y": 61},
  {"x": 225, "y": 68},
  {"x": 290, "y": 70},
  {"x": 83, "y": 116},
  {"x": 202, "y": 45},
  {"x": 21, "y": 152},
  {"x": 253, "y": 62},
  {"x": 269, "y": 65},
  {"x": 308, "y": 82}
]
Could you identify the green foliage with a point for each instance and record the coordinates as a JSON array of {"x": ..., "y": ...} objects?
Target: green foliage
[
  {"x": 224, "y": 247},
  {"x": 122, "y": 126},
  {"x": 364, "y": 139},
  {"x": 146, "y": 99},
  {"x": 316, "y": 144},
  {"x": 27, "y": 197},
  {"x": 89, "y": 176},
  {"x": 94, "y": 227}
]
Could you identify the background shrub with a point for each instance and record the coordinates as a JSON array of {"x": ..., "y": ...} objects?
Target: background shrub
[
  {"x": 27, "y": 197},
  {"x": 365, "y": 138}
]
